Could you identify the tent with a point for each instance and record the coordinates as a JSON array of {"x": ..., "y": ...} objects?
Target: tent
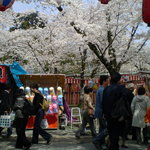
[{"x": 15, "y": 70}]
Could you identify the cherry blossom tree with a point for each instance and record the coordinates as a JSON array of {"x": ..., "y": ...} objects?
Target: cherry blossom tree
[{"x": 114, "y": 33}]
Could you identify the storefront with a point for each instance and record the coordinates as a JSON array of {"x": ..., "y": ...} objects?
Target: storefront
[{"x": 48, "y": 87}]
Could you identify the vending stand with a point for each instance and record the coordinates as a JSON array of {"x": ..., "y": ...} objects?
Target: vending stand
[{"x": 48, "y": 85}]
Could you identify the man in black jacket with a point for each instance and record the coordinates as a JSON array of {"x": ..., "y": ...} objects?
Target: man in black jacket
[
  {"x": 39, "y": 112},
  {"x": 111, "y": 95},
  {"x": 5, "y": 103}
]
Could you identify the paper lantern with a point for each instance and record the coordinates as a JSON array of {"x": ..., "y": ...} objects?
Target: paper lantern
[
  {"x": 3, "y": 76},
  {"x": 5, "y": 4},
  {"x": 104, "y": 1},
  {"x": 146, "y": 11}
]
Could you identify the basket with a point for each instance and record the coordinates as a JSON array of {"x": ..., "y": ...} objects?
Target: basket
[{"x": 5, "y": 121}]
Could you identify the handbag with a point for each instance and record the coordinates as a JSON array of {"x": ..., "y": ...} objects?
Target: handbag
[
  {"x": 5, "y": 121},
  {"x": 45, "y": 105},
  {"x": 44, "y": 123},
  {"x": 90, "y": 112}
]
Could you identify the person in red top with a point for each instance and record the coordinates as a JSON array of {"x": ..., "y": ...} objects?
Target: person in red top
[{"x": 146, "y": 130}]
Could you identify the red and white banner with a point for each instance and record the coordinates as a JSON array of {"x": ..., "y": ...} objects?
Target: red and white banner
[{"x": 124, "y": 78}]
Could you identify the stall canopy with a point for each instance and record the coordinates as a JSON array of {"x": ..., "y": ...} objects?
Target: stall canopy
[{"x": 16, "y": 69}]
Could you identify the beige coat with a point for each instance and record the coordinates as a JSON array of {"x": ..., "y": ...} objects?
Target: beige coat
[{"x": 87, "y": 106}]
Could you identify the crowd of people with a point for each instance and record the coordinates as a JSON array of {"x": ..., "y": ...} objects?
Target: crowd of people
[
  {"x": 120, "y": 109},
  {"x": 23, "y": 108}
]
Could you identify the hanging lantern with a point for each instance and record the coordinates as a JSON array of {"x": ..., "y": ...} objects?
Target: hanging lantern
[
  {"x": 5, "y": 4},
  {"x": 146, "y": 11},
  {"x": 104, "y": 1}
]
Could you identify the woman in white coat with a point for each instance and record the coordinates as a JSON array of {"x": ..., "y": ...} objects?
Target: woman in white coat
[{"x": 139, "y": 107}]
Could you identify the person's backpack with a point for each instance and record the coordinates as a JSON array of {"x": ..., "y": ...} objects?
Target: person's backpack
[
  {"x": 121, "y": 110},
  {"x": 45, "y": 105}
]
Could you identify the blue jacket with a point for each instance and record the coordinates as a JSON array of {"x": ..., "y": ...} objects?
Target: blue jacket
[{"x": 98, "y": 107}]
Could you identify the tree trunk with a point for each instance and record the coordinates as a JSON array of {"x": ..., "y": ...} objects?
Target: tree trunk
[{"x": 83, "y": 59}]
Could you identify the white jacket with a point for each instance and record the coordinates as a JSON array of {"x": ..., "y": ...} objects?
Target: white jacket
[{"x": 139, "y": 107}]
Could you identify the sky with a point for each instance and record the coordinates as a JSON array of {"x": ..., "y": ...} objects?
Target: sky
[{"x": 22, "y": 7}]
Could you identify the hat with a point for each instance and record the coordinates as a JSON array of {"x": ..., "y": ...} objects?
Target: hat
[{"x": 130, "y": 85}]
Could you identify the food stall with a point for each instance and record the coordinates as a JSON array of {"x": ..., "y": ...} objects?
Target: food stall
[{"x": 46, "y": 83}]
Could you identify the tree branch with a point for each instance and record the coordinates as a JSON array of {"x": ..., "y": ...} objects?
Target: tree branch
[{"x": 36, "y": 56}]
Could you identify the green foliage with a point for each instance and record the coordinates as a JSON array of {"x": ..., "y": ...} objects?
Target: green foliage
[
  {"x": 72, "y": 61},
  {"x": 26, "y": 22}
]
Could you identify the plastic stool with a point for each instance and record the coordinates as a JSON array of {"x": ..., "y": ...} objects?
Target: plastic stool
[{"x": 75, "y": 116}]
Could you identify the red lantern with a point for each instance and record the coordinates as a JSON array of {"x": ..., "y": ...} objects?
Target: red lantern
[
  {"x": 104, "y": 1},
  {"x": 3, "y": 77},
  {"x": 146, "y": 11},
  {"x": 5, "y": 4}
]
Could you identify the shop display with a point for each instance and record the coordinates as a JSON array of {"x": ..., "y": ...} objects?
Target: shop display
[
  {"x": 40, "y": 89},
  {"x": 55, "y": 102},
  {"x": 48, "y": 85},
  {"x": 45, "y": 92},
  {"x": 60, "y": 96}
]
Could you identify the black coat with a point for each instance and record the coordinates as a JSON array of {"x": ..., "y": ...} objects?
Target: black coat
[
  {"x": 37, "y": 101},
  {"x": 111, "y": 94},
  {"x": 129, "y": 96},
  {"x": 5, "y": 102}
]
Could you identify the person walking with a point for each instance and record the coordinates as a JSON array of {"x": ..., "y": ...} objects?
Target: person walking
[
  {"x": 5, "y": 103},
  {"x": 146, "y": 130},
  {"x": 128, "y": 92},
  {"x": 39, "y": 112},
  {"x": 129, "y": 129},
  {"x": 139, "y": 108},
  {"x": 99, "y": 140},
  {"x": 113, "y": 95},
  {"x": 21, "y": 119},
  {"x": 88, "y": 113}
]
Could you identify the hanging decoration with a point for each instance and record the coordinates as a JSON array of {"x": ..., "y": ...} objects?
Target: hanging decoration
[
  {"x": 146, "y": 12},
  {"x": 104, "y": 1},
  {"x": 5, "y": 4}
]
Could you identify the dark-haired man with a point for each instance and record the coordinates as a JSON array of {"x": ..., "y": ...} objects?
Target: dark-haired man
[
  {"x": 39, "y": 112},
  {"x": 111, "y": 96}
]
